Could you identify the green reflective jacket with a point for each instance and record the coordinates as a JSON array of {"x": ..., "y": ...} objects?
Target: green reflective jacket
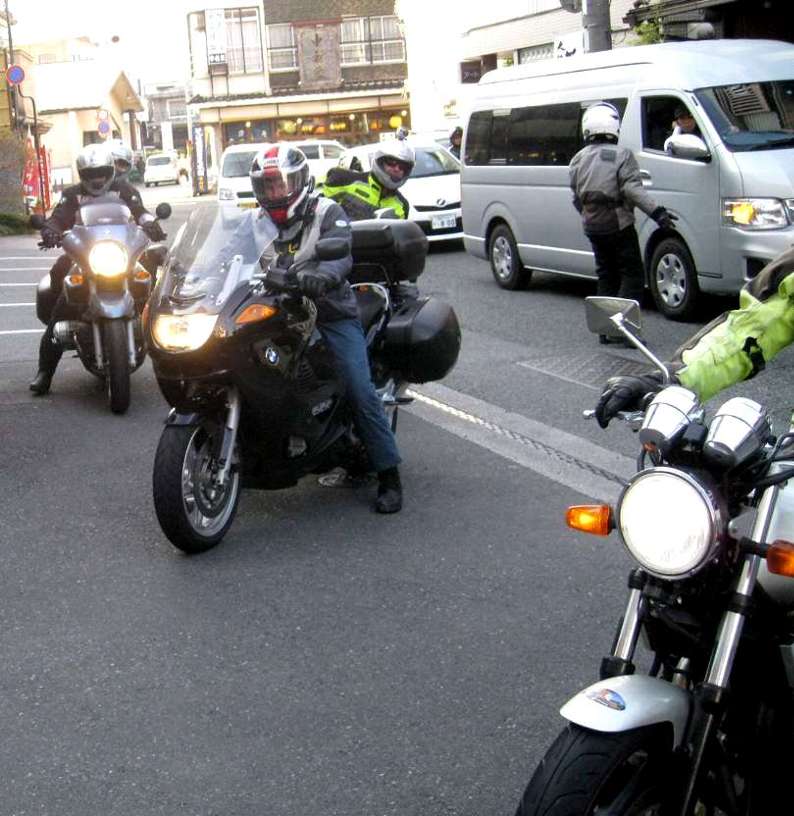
[
  {"x": 360, "y": 194},
  {"x": 737, "y": 345}
]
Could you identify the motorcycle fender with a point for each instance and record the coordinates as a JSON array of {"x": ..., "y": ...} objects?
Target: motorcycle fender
[
  {"x": 112, "y": 306},
  {"x": 175, "y": 418},
  {"x": 627, "y": 702}
]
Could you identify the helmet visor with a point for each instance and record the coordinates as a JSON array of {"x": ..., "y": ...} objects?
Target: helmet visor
[
  {"x": 276, "y": 187},
  {"x": 396, "y": 169},
  {"x": 96, "y": 179}
]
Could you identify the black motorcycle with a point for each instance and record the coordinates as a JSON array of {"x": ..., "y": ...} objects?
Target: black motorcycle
[
  {"x": 256, "y": 398},
  {"x": 99, "y": 308}
]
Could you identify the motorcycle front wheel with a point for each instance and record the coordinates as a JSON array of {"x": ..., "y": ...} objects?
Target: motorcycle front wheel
[
  {"x": 587, "y": 773},
  {"x": 118, "y": 365},
  {"x": 193, "y": 511}
]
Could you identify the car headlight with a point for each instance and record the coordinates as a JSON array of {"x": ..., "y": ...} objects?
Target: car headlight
[
  {"x": 669, "y": 522},
  {"x": 754, "y": 213},
  {"x": 225, "y": 195},
  {"x": 108, "y": 259},
  {"x": 183, "y": 332}
]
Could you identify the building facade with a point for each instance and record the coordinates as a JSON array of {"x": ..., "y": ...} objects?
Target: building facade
[
  {"x": 166, "y": 125},
  {"x": 294, "y": 69}
]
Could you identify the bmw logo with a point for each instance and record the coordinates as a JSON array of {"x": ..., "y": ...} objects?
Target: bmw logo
[{"x": 271, "y": 355}]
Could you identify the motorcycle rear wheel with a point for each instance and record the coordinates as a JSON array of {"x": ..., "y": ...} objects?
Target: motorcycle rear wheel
[
  {"x": 192, "y": 514},
  {"x": 114, "y": 338},
  {"x": 587, "y": 773}
]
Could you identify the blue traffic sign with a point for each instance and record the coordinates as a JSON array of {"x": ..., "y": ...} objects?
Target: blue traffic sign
[
  {"x": 14, "y": 74},
  {"x": 103, "y": 126}
]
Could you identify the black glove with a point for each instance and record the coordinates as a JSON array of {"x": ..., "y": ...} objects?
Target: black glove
[
  {"x": 154, "y": 231},
  {"x": 50, "y": 237},
  {"x": 625, "y": 394},
  {"x": 314, "y": 284},
  {"x": 664, "y": 218}
]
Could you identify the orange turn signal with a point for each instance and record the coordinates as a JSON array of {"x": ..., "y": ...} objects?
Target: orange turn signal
[
  {"x": 254, "y": 313},
  {"x": 142, "y": 275},
  {"x": 590, "y": 518},
  {"x": 780, "y": 558},
  {"x": 76, "y": 280}
]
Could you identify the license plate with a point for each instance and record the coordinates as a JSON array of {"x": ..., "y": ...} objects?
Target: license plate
[
  {"x": 442, "y": 221},
  {"x": 247, "y": 205}
]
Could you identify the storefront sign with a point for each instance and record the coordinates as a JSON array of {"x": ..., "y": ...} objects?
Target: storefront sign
[{"x": 215, "y": 24}]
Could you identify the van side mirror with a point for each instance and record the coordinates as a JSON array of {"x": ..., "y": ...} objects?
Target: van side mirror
[
  {"x": 688, "y": 146},
  {"x": 163, "y": 211},
  {"x": 600, "y": 311},
  {"x": 332, "y": 249}
]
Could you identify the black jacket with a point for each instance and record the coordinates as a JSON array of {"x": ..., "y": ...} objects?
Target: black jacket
[{"x": 63, "y": 216}]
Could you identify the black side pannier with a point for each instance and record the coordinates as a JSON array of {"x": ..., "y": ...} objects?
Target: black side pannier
[
  {"x": 387, "y": 251},
  {"x": 422, "y": 340}
]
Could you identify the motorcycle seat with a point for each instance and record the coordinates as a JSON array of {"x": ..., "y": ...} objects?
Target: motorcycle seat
[{"x": 371, "y": 306}]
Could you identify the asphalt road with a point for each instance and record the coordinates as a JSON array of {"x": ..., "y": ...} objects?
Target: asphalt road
[{"x": 322, "y": 659}]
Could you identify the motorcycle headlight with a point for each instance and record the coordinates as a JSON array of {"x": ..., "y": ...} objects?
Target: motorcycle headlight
[
  {"x": 108, "y": 259},
  {"x": 754, "y": 213},
  {"x": 183, "y": 332},
  {"x": 669, "y": 522}
]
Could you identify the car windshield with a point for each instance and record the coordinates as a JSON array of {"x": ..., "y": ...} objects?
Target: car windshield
[
  {"x": 237, "y": 165},
  {"x": 752, "y": 116},
  {"x": 158, "y": 160},
  {"x": 215, "y": 251},
  {"x": 434, "y": 161}
]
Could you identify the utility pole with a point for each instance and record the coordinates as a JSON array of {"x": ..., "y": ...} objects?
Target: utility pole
[
  {"x": 12, "y": 91},
  {"x": 597, "y": 25}
]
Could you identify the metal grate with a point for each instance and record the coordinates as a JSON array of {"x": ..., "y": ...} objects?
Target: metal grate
[{"x": 592, "y": 369}]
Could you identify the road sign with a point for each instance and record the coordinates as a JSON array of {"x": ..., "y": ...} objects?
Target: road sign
[
  {"x": 14, "y": 74},
  {"x": 102, "y": 115},
  {"x": 103, "y": 127}
]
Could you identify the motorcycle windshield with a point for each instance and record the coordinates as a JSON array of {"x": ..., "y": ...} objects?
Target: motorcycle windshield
[
  {"x": 104, "y": 211},
  {"x": 215, "y": 252}
]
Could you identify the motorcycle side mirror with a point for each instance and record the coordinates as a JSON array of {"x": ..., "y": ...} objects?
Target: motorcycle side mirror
[
  {"x": 163, "y": 211},
  {"x": 37, "y": 221},
  {"x": 385, "y": 212},
  {"x": 688, "y": 146},
  {"x": 600, "y": 312},
  {"x": 332, "y": 249}
]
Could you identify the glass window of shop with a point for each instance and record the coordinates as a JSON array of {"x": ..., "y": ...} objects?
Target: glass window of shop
[
  {"x": 258, "y": 130},
  {"x": 365, "y": 40}
]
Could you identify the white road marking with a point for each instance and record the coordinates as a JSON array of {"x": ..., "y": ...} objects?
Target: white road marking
[
  {"x": 9, "y": 305},
  {"x": 565, "y": 458},
  {"x": 23, "y": 331},
  {"x": 26, "y": 268},
  {"x": 32, "y": 283}
]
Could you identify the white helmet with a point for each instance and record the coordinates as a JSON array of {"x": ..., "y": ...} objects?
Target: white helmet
[
  {"x": 96, "y": 169},
  {"x": 392, "y": 163},
  {"x": 122, "y": 156},
  {"x": 601, "y": 119}
]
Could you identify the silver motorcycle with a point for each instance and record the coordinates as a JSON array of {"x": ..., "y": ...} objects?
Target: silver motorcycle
[{"x": 709, "y": 519}]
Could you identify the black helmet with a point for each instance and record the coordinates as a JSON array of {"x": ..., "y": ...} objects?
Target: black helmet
[{"x": 281, "y": 181}]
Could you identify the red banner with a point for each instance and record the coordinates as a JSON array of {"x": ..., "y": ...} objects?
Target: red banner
[{"x": 36, "y": 177}]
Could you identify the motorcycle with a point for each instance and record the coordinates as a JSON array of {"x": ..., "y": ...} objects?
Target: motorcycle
[
  {"x": 99, "y": 307},
  {"x": 256, "y": 400},
  {"x": 709, "y": 518}
]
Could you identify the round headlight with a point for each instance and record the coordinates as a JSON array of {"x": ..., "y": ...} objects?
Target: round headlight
[
  {"x": 183, "y": 332},
  {"x": 107, "y": 258},
  {"x": 668, "y": 522}
]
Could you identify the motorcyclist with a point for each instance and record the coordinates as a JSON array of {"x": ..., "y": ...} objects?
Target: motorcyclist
[
  {"x": 97, "y": 173},
  {"x": 122, "y": 159},
  {"x": 733, "y": 347},
  {"x": 455, "y": 138},
  {"x": 282, "y": 184},
  {"x": 360, "y": 194}
]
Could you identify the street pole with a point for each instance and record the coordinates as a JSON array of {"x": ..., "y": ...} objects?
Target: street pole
[
  {"x": 12, "y": 91},
  {"x": 36, "y": 146},
  {"x": 597, "y": 25}
]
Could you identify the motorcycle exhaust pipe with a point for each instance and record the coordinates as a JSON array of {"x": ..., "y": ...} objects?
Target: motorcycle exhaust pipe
[{"x": 64, "y": 330}]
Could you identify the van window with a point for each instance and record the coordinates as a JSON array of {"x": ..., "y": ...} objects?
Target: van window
[
  {"x": 311, "y": 151},
  {"x": 478, "y": 138},
  {"x": 332, "y": 151},
  {"x": 658, "y": 120},
  {"x": 156, "y": 161},
  {"x": 547, "y": 135},
  {"x": 237, "y": 165}
]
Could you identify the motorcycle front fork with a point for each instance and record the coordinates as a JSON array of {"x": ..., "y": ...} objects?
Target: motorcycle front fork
[
  {"x": 231, "y": 426},
  {"x": 710, "y": 696}
]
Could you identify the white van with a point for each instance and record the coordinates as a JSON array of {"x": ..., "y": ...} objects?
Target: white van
[
  {"x": 732, "y": 187},
  {"x": 234, "y": 184}
]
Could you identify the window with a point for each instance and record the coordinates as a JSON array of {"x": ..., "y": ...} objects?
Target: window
[
  {"x": 547, "y": 135},
  {"x": 366, "y": 40},
  {"x": 478, "y": 138},
  {"x": 243, "y": 51},
  {"x": 237, "y": 165},
  {"x": 176, "y": 108},
  {"x": 311, "y": 151},
  {"x": 282, "y": 54},
  {"x": 658, "y": 120},
  {"x": 46, "y": 59},
  {"x": 91, "y": 137},
  {"x": 434, "y": 162},
  {"x": 332, "y": 151}
]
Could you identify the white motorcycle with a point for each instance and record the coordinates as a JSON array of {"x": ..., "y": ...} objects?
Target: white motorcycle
[{"x": 709, "y": 518}]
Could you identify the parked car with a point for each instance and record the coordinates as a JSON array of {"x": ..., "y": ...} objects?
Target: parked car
[
  {"x": 161, "y": 168},
  {"x": 730, "y": 185},
  {"x": 432, "y": 190},
  {"x": 234, "y": 184}
]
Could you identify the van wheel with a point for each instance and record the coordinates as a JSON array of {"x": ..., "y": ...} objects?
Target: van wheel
[
  {"x": 673, "y": 280},
  {"x": 508, "y": 271}
]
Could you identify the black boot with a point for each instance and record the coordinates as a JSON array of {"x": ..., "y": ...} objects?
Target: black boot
[
  {"x": 50, "y": 353},
  {"x": 390, "y": 491}
]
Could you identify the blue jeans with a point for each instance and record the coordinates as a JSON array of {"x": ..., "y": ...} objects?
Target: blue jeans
[{"x": 346, "y": 340}]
